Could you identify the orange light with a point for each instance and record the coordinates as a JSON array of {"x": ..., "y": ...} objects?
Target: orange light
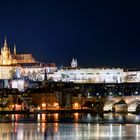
[
  {"x": 38, "y": 108},
  {"x": 56, "y": 116},
  {"x": 55, "y": 127},
  {"x": 76, "y": 105},
  {"x": 43, "y": 127},
  {"x": 76, "y": 115},
  {"x": 43, "y": 105},
  {"x": 55, "y": 104},
  {"x": 43, "y": 117}
]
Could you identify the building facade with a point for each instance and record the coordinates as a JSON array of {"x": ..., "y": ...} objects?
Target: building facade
[{"x": 89, "y": 75}]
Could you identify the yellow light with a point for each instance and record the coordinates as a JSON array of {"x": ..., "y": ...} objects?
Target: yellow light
[
  {"x": 43, "y": 117},
  {"x": 56, "y": 116},
  {"x": 76, "y": 105},
  {"x": 76, "y": 116},
  {"x": 38, "y": 108},
  {"x": 43, "y": 105},
  {"x": 55, "y": 104}
]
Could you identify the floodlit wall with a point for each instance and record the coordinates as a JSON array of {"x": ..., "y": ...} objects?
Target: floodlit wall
[
  {"x": 96, "y": 75},
  {"x": 90, "y": 75},
  {"x": 132, "y": 76},
  {"x": 6, "y": 72}
]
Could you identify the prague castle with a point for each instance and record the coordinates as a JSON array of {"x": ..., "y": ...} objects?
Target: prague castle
[
  {"x": 12, "y": 63},
  {"x": 22, "y": 66},
  {"x": 7, "y": 58}
]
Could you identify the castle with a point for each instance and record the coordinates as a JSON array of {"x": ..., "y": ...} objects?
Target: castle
[
  {"x": 22, "y": 66},
  {"x": 11, "y": 62}
]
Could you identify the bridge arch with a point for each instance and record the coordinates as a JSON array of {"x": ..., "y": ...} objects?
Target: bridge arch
[
  {"x": 108, "y": 106},
  {"x": 133, "y": 105}
]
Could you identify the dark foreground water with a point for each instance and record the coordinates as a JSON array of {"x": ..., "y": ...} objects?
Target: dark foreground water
[{"x": 73, "y": 127}]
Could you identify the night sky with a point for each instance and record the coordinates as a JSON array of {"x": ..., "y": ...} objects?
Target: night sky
[{"x": 97, "y": 33}]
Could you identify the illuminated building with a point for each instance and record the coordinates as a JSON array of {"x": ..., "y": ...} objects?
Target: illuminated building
[
  {"x": 89, "y": 75},
  {"x": 95, "y": 75},
  {"x": 25, "y": 66},
  {"x": 11, "y": 63},
  {"x": 22, "y": 65},
  {"x": 7, "y": 58}
]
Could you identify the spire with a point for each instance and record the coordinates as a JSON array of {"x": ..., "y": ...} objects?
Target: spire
[
  {"x": 5, "y": 43},
  {"x": 73, "y": 63},
  {"x": 76, "y": 63},
  {"x": 15, "y": 51}
]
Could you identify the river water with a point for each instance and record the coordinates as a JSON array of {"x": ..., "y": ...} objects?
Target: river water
[{"x": 72, "y": 127}]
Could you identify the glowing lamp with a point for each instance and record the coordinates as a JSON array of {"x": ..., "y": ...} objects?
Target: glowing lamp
[{"x": 43, "y": 105}]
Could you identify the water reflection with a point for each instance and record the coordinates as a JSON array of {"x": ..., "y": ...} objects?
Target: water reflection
[
  {"x": 72, "y": 118},
  {"x": 55, "y": 126},
  {"x": 72, "y": 126},
  {"x": 60, "y": 131},
  {"x": 56, "y": 117},
  {"x": 43, "y": 117},
  {"x": 76, "y": 116},
  {"x": 43, "y": 127},
  {"x": 38, "y": 117}
]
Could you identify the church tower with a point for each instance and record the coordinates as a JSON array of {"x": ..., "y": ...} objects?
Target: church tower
[
  {"x": 74, "y": 63},
  {"x": 5, "y": 54}
]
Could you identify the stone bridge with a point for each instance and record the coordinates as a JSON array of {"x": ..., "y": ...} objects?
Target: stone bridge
[{"x": 131, "y": 101}]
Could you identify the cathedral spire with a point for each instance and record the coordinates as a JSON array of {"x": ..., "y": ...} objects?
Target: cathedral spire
[
  {"x": 15, "y": 51},
  {"x": 5, "y": 43},
  {"x": 76, "y": 63}
]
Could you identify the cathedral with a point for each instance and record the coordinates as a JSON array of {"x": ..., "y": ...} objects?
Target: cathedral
[{"x": 8, "y": 58}]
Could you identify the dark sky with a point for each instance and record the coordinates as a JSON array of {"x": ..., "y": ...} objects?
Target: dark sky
[{"x": 97, "y": 33}]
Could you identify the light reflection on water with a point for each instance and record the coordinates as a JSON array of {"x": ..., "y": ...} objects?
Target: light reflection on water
[
  {"x": 89, "y": 129},
  {"x": 73, "y": 118},
  {"x": 74, "y": 131}
]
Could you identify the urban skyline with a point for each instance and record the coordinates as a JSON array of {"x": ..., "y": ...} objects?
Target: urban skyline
[{"x": 69, "y": 69}]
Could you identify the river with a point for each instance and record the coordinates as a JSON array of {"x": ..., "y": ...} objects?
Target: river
[{"x": 72, "y": 127}]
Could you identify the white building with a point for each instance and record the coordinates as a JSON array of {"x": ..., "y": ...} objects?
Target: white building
[
  {"x": 89, "y": 75},
  {"x": 95, "y": 75}
]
